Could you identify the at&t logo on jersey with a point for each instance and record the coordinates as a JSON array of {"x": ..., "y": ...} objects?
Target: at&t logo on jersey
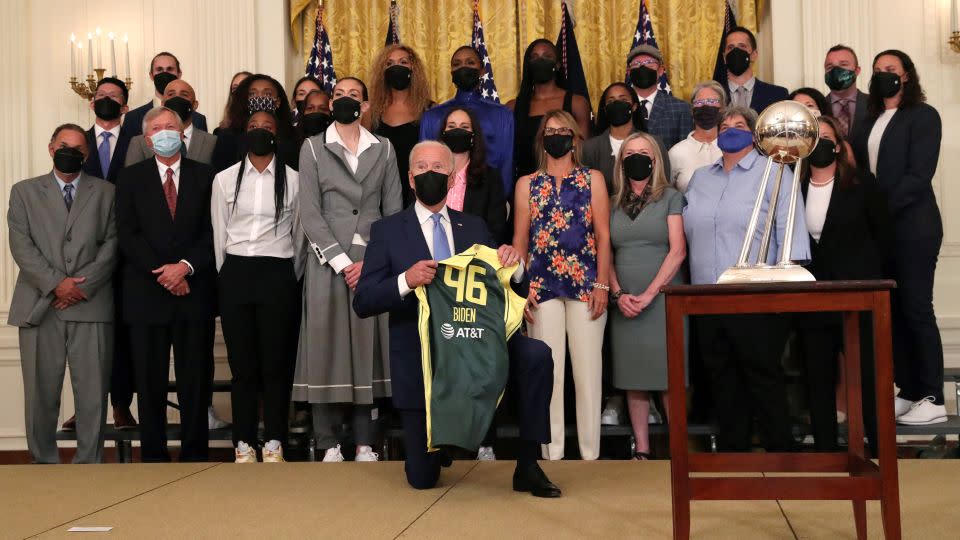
[{"x": 448, "y": 331}]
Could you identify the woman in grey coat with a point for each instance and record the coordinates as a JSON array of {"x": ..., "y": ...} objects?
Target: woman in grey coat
[{"x": 347, "y": 175}]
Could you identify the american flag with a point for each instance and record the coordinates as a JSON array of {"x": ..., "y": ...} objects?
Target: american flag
[
  {"x": 320, "y": 64},
  {"x": 644, "y": 36},
  {"x": 393, "y": 30},
  {"x": 720, "y": 69},
  {"x": 488, "y": 88}
]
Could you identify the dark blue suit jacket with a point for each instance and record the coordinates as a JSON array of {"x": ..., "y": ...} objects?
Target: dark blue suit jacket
[
  {"x": 670, "y": 119},
  {"x": 133, "y": 121},
  {"x": 92, "y": 165},
  {"x": 396, "y": 244},
  {"x": 766, "y": 94}
]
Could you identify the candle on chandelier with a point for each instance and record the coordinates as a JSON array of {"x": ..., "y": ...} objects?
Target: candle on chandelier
[
  {"x": 954, "y": 27},
  {"x": 113, "y": 56},
  {"x": 99, "y": 49},
  {"x": 89, "y": 52},
  {"x": 126, "y": 44},
  {"x": 73, "y": 57},
  {"x": 80, "y": 58}
]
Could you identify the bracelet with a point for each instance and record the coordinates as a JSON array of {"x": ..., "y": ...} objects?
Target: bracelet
[
  {"x": 616, "y": 295},
  {"x": 601, "y": 286}
]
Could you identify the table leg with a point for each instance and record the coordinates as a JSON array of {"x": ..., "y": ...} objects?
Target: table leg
[
  {"x": 676, "y": 383},
  {"x": 851, "y": 360},
  {"x": 886, "y": 431}
]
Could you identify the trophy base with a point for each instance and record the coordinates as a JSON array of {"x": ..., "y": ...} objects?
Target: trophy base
[{"x": 765, "y": 274}]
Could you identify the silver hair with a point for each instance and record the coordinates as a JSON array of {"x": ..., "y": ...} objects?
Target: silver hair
[
  {"x": 435, "y": 144},
  {"x": 748, "y": 114},
  {"x": 157, "y": 111},
  {"x": 713, "y": 85}
]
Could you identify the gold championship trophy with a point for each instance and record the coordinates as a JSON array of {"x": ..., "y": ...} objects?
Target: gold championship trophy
[{"x": 786, "y": 133}]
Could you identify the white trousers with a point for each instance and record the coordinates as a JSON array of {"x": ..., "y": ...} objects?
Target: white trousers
[{"x": 555, "y": 321}]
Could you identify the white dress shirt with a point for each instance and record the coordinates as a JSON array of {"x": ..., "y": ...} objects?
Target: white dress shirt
[
  {"x": 818, "y": 200},
  {"x": 176, "y": 183},
  {"x": 249, "y": 229},
  {"x": 650, "y": 99},
  {"x": 689, "y": 155},
  {"x": 62, "y": 184},
  {"x": 98, "y": 134},
  {"x": 426, "y": 225},
  {"x": 876, "y": 135},
  {"x": 187, "y": 137},
  {"x": 366, "y": 140}
]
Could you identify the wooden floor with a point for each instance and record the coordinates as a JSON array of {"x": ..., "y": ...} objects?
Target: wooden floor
[{"x": 604, "y": 499}]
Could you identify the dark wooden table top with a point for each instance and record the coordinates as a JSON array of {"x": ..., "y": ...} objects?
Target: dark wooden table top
[{"x": 779, "y": 287}]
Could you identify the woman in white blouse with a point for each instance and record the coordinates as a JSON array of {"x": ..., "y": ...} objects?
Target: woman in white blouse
[
  {"x": 700, "y": 147},
  {"x": 253, "y": 210}
]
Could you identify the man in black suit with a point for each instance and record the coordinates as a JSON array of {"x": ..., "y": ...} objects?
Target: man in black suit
[
  {"x": 848, "y": 103},
  {"x": 400, "y": 258},
  {"x": 169, "y": 287},
  {"x": 164, "y": 68},
  {"x": 108, "y": 146},
  {"x": 745, "y": 90}
]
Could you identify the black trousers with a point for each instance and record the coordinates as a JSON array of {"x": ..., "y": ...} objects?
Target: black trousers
[
  {"x": 260, "y": 317},
  {"x": 150, "y": 347},
  {"x": 917, "y": 350},
  {"x": 121, "y": 371},
  {"x": 819, "y": 342},
  {"x": 531, "y": 382},
  {"x": 741, "y": 355}
]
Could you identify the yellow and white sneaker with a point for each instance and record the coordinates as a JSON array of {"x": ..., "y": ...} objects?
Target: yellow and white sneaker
[
  {"x": 245, "y": 453},
  {"x": 273, "y": 452}
]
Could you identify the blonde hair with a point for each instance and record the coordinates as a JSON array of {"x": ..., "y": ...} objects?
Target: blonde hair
[
  {"x": 658, "y": 179},
  {"x": 380, "y": 92},
  {"x": 568, "y": 121}
]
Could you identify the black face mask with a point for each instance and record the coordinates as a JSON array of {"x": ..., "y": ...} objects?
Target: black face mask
[
  {"x": 398, "y": 77},
  {"x": 68, "y": 160},
  {"x": 637, "y": 167},
  {"x": 161, "y": 80},
  {"x": 315, "y": 123},
  {"x": 823, "y": 154},
  {"x": 839, "y": 78},
  {"x": 643, "y": 77},
  {"x": 431, "y": 187},
  {"x": 458, "y": 140},
  {"x": 706, "y": 117},
  {"x": 106, "y": 109},
  {"x": 885, "y": 84},
  {"x": 618, "y": 112},
  {"x": 542, "y": 70},
  {"x": 181, "y": 106},
  {"x": 346, "y": 110},
  {"x": 261, "y": 142},
  {"x": 737, "y": 61},
  {"x": 558, "y": 145},
  {"x": 466, "y": 78}
]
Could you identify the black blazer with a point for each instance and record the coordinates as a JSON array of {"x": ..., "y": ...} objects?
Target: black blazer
[
  {"x": 149, "y": 238},
  {"x": 906, "y": 162},
  {"x": 764, "y": 95},
  {"x": 396, "y": 244},
  {"x": 133, "y": 121},
  {"x": 859, "y": 117},
  {"x": 485, "y": 200},
  {"x": 856, "y": 234},
  {"x": 597, "y": 153},
  {"x": 92, "y": 165}
]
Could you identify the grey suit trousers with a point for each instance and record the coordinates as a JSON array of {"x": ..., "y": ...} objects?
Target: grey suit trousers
[{"x": 45, "y": 350}]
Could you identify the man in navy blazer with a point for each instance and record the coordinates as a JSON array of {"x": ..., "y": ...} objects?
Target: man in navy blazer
[
  {"x": 744, "y": 89},
  {"x": 164, "y": 68},
  {"x": 400, "y": 258},
  {"x": 667, "y": 117}
]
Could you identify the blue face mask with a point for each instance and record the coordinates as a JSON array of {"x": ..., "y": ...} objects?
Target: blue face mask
[
  {"x": 734, "y": 140},
  {"x": 166, "y": 143}
]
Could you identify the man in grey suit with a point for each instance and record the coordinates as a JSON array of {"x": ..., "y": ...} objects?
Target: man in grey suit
[
  {"x": 180, "y": 97},
  {"x": 63, "y": 237}
]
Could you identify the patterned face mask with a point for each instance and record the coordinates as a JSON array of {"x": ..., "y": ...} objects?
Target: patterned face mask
[{"x": 261, "y": 103}]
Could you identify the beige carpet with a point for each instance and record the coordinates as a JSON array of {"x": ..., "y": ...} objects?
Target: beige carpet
[{"x": 607, "y": 499}]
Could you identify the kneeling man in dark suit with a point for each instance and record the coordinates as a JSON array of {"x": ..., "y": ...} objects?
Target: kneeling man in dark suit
[{"x": 402, "y": 255}]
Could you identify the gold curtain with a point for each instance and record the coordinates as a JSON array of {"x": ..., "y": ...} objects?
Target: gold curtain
[{"x": 688, "y": 33}]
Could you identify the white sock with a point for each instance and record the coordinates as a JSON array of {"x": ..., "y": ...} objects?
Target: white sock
[
  {"x": 243, "y": 447},
  {"x": 273, "y": 445}
]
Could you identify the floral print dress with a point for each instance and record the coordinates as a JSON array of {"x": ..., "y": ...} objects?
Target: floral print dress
[{"x": 563, "y": 251}]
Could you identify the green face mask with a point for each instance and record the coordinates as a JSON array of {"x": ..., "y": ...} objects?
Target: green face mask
[{"x": 839, "y": 79}]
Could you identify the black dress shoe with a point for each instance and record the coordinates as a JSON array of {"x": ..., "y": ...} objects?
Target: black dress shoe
[
  {"x": 533, "y": 480},
  {"x": 443, "y": 458}
]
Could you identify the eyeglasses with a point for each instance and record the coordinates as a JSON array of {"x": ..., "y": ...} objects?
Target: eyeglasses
[
  {"x": 557, "y": 131},
  {"x": 646, "y": 62},
  {"x": 709, "y": 102}
]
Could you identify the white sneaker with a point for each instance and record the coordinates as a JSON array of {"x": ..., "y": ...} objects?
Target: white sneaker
[
  {"x": 486, "y": 454},
  {"x": 901, "y": 406},
  {"x": 924, "y": 413},
  {"x": 273, "y": 452},
  {"x": 333, "y": 455},
  {"x": 244, "y": 453},
  {"x": 365, "y": 453},
  {"x": 842, "y": 416},
  {"x": 213, "y": 421},
  {"x": 612, "y": 412}
]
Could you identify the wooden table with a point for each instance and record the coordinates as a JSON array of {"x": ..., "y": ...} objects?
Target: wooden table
[{"x": 866, "y": 480}]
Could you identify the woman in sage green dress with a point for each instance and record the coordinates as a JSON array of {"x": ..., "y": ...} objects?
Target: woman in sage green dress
[{"x": 646, "y": 232}]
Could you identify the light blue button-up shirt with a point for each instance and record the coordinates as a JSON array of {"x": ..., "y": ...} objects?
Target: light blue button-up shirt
[
  {"x": 719, "y": 204},
  {"x": 62, "y": 184}
]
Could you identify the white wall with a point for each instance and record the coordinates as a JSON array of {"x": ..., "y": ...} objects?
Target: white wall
[
  {"x": 215, "y": 38},
  {"x": 212, "y": 38}
]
